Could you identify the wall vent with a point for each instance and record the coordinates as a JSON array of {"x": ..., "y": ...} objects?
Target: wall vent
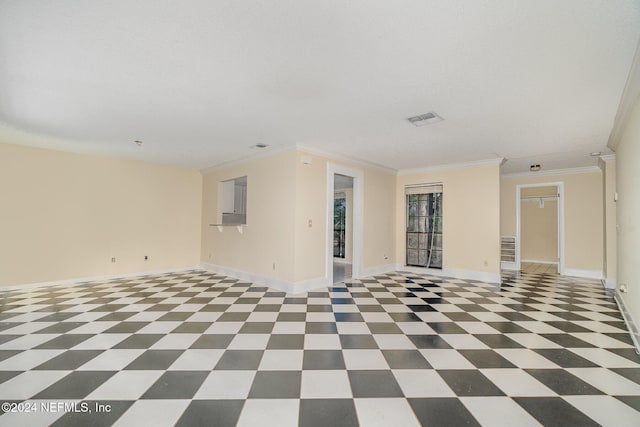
[{"x": 425, "y": 119}]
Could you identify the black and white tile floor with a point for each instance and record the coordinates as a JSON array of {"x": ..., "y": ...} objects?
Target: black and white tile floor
[{"x": 398, "y": 349}]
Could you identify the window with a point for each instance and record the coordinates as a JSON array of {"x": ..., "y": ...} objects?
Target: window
[
  {"x": 339, "y": 224},
  {"x": 234, "y": 201},
  {"x": 424, "y": 226}
]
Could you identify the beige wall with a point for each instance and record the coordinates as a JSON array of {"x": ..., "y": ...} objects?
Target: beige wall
[
  {"x": 268, "y": 238},
  {"x": 628, "y": 214},
  {"x": 539, "y": 231},
  {"x": 549, "y": 191},
  {"x": 64, "y": 216},
  {"x": 378, "y": 216},
  {"x": 378, "y": 247},
  {"x": 348, "y": 244},
  {"x": 288, "y": 227},
  {"x": 609, "y": 211},
  {"x": 583, "y": 215},
  {"x": 311, "y": 205},
  {"x": 471, "y": 216}
]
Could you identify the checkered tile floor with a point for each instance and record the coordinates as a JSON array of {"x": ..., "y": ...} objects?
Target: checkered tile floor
[{"x": 398, "y": 349}]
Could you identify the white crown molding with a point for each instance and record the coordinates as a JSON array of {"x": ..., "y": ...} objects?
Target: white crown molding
[
  {"x": 268, "y": 152},
  {"x": 86, "y": 280},
  {"x": 603, "y": 160},
  {"x": 346, "y": 159},
  {"x": 630, "y": 95},
  {"x": 569, "y": 171},
  {"x": 472, "y": 164},
  {"x": 302, "y": 148}
]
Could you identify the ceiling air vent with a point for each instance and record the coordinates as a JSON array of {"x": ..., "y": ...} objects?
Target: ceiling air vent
[
  {"x": 259, "y": 146},
  {"x": 425, "y": 119}
]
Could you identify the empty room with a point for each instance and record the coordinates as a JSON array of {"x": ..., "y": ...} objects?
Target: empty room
[{"x": 298, "y": 213}]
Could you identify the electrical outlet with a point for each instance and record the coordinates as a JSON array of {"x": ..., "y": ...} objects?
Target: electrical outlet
[
  {"x": 113, "y": 259},
  {"x": 274, "y": 266},
  {"x": 486, "y": 263},
  {"x": 385, "y": 256},
  {"x": 310, "y": 223}
]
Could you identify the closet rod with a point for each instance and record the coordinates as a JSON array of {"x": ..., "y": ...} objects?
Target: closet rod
[{"x": 546, "y": 198}]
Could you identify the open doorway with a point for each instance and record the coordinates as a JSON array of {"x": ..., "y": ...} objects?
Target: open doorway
[
  {"x": 344, "y": 223},
  {"x": 342, "y": 228},
  {"x": 540, "y": 228}
]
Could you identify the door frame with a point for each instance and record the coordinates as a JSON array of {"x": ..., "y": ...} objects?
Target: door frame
[
  {"x": 357, "y": 212},
  {"x": 560, "y": 207}
]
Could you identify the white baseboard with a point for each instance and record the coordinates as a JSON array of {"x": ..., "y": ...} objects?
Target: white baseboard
[
  {"x": 482, "y": 276},
  {"x": 310, "y": 284},
  {"x": 629, "y": 319},
  {"x": 587, "y": 274},
  {"x": 610, "y": 283},
  {"x": 419, "y": 270},
  {"x": 535, "y": 261},
  {"x": 509, "y": 265},
  {"x": 378, "y": 269},
  {"x": 321, "y": 282},
  {"x": 83, "y": 280},
  {"x": 279, "y": 284},
  {"x": 338, "y": 260}
]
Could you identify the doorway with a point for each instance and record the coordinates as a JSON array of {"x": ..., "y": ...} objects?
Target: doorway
[
  {"x": 342, "y": 227},
  {"x": 539, "y": 241},
  {"x": 423, "y": 238},
  {"x": 344, "y": 223}
]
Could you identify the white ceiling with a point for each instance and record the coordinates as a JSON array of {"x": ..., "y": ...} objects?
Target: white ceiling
[{"x": 200, "y": 81}]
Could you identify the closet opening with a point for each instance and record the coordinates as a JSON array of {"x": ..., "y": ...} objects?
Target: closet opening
[{"x": 540, "y": 222}]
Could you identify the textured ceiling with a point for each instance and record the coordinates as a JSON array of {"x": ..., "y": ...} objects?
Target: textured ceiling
[{"x": 200, "y": 82}]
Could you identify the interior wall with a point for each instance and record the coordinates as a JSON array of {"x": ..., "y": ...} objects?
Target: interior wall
[
  {"x": 583, "y": 216},
  {"x": 628, "y": 212},
  {"x": 378, "y": 216},
  {"x": 378, "y": 248},
  {"x": 64, "y": 216},
  {"x": 266, "y": 245},
  {"x": 348, "y": 245},
  {"x": 310, "y": 216},
  {"x": 471, "y": 216},
  {"x": 539, "y": 231},
  {"x": 609, "y": 211}
]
